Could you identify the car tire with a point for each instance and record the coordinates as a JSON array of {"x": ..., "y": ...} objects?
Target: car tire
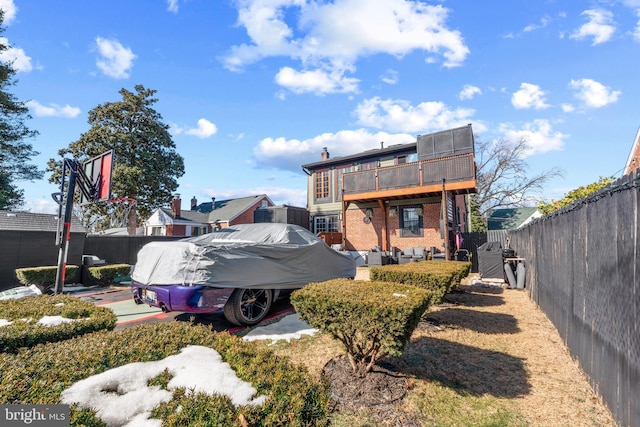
[{"x": 247, "y": 307}]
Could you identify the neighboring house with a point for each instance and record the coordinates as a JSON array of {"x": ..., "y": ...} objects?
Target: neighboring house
[
  {"x": 402, "y": 196},
  {"x": 205, "y": 217},
  {"x": 511, "y": 218},
  {"x": 633, "y": 162}
]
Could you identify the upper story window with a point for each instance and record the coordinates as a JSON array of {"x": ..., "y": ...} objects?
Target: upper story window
[
  {"x": 321, "y": 185},
  {"x": 368, "y": 165},
  {"x": 264, "y": 204}
]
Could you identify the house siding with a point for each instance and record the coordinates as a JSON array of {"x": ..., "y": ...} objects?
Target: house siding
[{"x": 176, "y": 230}]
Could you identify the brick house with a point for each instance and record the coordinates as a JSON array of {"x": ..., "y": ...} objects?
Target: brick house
[
  {"x": 204, "y": 217},
  {"x": 405, "y": 195},
  {"x": 633, "y": 162}
]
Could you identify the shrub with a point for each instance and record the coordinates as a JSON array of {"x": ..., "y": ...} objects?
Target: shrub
[
  {"x": 24, "y": 313},
  {"x": 437, "y": 276},
  {"x": 107, "y": 274},
  {"x": 371, "y": 319},
  {"x": 40, "y": 374},
  {"x": 45, "y": 277}
]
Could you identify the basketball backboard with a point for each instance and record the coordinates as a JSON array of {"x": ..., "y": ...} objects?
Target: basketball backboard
[{"x": 98, "y": 171}]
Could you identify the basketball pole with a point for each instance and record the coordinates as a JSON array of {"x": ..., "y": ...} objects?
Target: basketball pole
[
  {"x": 76, "y": 173},
  {"x": 66, "y": 228}
]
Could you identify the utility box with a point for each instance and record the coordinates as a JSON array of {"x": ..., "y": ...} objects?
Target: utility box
[{"x": 490, "y": 261}]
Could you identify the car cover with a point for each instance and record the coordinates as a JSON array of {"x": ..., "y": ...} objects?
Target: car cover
[{"x": 264, "y": 255}]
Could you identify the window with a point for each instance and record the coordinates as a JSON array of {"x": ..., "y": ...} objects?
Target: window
[
  {"x": 156, "y": 231},
  {"x": 368, "y": 165},
  {"x": 410, "y": 221},
  {"x": 328, "y": 223},
  {"x": 401, "y": 160},
  {"x": 322, "y": 184},
  {"x": 265, "y": 204},
  {"x": 198, "y": 231}
]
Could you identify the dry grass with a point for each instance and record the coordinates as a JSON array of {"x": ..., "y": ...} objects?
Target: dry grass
[{"x": 486, "y": 357}]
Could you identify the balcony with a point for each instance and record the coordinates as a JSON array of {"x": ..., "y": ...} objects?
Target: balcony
[{"x": 416, "y": 179}]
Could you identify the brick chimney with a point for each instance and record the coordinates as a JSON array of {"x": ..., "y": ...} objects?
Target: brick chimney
[
  {"x": 325, "y": 154},
  {"x": 175, "y": 206}
]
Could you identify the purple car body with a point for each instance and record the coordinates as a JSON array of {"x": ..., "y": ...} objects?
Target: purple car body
[{"x": 191, "y": 299}]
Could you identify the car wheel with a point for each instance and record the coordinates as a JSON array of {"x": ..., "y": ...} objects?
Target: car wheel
[{"x": 247, "y": 307}]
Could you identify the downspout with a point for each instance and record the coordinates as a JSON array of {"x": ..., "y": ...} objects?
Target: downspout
[{"x": 445, "y": 221}]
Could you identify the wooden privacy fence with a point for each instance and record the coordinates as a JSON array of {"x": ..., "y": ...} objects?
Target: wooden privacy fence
[{"x": 583, "y": 272}]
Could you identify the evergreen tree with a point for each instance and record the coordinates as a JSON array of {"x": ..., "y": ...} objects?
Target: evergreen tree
[
  {"x": 146, "y": 164},
  {"x": 15, "y": 152}
]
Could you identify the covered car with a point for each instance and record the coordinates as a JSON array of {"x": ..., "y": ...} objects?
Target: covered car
[{"x": 238, "y": 270}]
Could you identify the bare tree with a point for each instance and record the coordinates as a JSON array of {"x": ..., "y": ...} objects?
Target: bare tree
[{"x": 503, "y": 178}]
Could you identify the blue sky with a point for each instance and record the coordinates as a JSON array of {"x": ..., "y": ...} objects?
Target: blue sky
[{"x": 253, "y": 89}]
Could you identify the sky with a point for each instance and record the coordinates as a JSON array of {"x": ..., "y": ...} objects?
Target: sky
[{"x": 253, "y": 89}]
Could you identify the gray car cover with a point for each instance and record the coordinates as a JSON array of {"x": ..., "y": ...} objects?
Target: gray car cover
[{"x": 264, "y": 255}]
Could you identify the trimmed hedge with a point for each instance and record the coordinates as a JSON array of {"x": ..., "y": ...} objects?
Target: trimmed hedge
[
  {"x": 371, "y": 319},
  {"x": 24, "y": 313},
  {"x": 45, "y": 277},
  {"x": 107, "y": 274},
  {"x": 437, "y": 276},
  {"x": 39, "y": 375}
]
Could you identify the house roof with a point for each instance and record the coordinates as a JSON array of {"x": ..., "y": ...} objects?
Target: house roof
[
  {"x": 376, "y": 152},
  {"x": 510, "y": 218},
  {"x": 27, "y": 221},
  {"x": 218, "y": 210}
]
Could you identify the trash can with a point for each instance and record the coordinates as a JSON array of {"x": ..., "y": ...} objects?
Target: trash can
[
  {"x": 490, "y": 261},
  {"x": 88, "y": 261}
]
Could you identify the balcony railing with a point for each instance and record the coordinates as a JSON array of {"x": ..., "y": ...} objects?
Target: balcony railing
[{"x": 456, "y": 169}]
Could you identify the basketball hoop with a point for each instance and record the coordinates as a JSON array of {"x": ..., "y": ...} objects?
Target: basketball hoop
[
  {"x": 107, "y": 214},
  {"x": 118, "y": 209}
]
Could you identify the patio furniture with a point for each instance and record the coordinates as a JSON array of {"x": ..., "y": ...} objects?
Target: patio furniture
[{"x": 412, "y": 255}]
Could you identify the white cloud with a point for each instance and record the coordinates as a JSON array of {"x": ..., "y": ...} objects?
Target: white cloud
[
  {"x": 594, "y": 94},
  {"x": 529, "y": 96},
  {"x": 16, "y": 56},
  {"x": 289, "y": 154},
  {"x": 469, "y": 91},
  {"x": 532, "y": 27},
  {"x": 10, "y": 10},
  {"x": 568, "y": 108},
  {"x": 600, "y": 26},
  {"x": 636, "y": 30},
  {"x": 53, "y": 110},
  {"x": 538, "y": 134},
  {"x": 390, "y": 77},
  {"x": 334, "y": 35},
  {"x": 316, "y": 81},
  {"x": 204, "y": 130},
  {"x": 400, "y": 115},
  {"x": 115, "y": 60},
  {"x": 172, "y": 6}
]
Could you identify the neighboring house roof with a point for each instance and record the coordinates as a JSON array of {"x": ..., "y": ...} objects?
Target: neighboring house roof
[
  {"x": 207, "y": 213},
  {"x": 511, "y": 218},
  {"x": 633, "y": 161},
  {"x": 227, "y": 210},
  {"x": 27, "y": 221}
]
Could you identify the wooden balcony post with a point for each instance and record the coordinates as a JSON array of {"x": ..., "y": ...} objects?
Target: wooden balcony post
[{"x": 385, "y": 227}]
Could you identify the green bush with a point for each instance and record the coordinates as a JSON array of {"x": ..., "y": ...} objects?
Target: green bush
[
  {"x": 437, "y": 276},
  {"x": 24, "y": 313},
  {"x": 45, "y": 277},
  {"x": 39, "y": 375},
  {"x": 108, "y": 274},
  {"x": 371, "y": 319}
]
